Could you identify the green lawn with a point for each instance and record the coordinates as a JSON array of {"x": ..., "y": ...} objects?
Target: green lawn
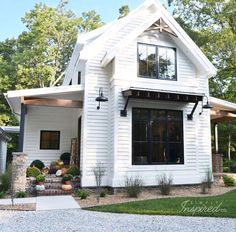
[{"x": 217, "y": 206}]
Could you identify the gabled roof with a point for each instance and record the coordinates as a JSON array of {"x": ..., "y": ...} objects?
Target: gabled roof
[{"x": 92, "y": 41}]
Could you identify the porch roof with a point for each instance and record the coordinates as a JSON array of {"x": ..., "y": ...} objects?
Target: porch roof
[
  {"x": 72, "y": 92},
  {"x": 222, "y": 110}
]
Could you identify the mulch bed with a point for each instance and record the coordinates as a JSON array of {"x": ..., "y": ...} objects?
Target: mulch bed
[{"x": 19, "y": 207}]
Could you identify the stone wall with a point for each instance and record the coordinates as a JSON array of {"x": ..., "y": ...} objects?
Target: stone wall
[{"x": 19, "y": 166}]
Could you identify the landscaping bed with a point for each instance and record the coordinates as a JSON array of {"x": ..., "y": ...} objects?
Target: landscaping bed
[{"x": 153, "y": 193}]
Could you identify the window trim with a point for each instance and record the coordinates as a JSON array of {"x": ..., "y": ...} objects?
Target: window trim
[
  {"x": 149, "y": 162},
  {"x": 59, "y": 137},
  {"x": 157, "y": 66}
]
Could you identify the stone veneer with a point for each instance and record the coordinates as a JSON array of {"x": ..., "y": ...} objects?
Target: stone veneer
[{"x": 19, "y": 166}]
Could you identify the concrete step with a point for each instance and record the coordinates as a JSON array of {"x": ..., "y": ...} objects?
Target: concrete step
[{"x": 53, "y": 179}]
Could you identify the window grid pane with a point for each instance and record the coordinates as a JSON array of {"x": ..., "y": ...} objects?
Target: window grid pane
[
  {"x": 157, "y": 62},
  {"x": 50, "y": 140},
  {"x": 159, "y": 138}
]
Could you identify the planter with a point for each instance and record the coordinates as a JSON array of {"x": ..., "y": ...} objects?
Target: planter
[
  {"x": 40, "y": 187},
  {"x": 40, "y": 183},
  {"x": 66, "y": 187},
  {"x": 67, "y": 182}
]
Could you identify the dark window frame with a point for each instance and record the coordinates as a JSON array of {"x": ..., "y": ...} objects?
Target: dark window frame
[
  {"x": 157, "y": 77},
  {"x": 50, "y": 148},
  {"x": 166, "y": 141}
]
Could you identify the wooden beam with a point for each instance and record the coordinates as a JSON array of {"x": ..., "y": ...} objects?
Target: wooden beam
[{"x": 52, "y": 102}]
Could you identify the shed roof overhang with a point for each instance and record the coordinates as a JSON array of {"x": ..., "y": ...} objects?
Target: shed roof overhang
[
  {"x": 222, "y": 111},
  {"x": 51, "y": 96},
  {"x": 4, "y": 136},
  {"x": 161, "y": 95}
]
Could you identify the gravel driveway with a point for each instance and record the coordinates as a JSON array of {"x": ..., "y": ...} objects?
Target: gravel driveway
[{"x": 81, "y": 220}]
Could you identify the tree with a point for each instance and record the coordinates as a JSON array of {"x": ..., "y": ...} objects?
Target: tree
[{"x": 124, "y": 11}]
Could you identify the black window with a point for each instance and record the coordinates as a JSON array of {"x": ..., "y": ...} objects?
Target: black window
[
  {"x": 50, "y": 140},
  {"x": 157, "y": 136},
  {"x": 157, "y": 62}
]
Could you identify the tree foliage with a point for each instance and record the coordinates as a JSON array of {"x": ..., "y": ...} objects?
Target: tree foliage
[
  {"x": 124, "y": 11},
  {"x": 39, "y": 56}
]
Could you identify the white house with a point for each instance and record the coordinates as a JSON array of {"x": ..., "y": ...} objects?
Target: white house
[
  {"x": 156, "y": 81},
  {"x": 4, "y": 139}
]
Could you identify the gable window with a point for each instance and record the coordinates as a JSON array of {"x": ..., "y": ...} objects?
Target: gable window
[
  {"x": 157, "y": 62},
  {"x": 49, "y": 140},
  {"x": 157, "y": 136}
]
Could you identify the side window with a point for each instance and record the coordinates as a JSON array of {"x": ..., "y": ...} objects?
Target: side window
[{"x": 49, "y": 140}]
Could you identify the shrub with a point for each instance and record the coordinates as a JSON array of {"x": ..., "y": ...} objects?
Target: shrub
[
  {"x": 228, "y": 181},
  {"x": 133, "y": 186},
  {"x": 38, "y": 164},
  {"x": 5, "y": 182},
  {"x": 21, "y": 194},
  {"x": 165, "y": 184},
  {"x": 40, "y": 178},
  {"x": 82, "y": 193},
  {"x": 74, "y": 171},
  {"x": 204, "y": 187},
  {"x": 2, "y": 194},
  {"x": 208, "y": 178},
  {"x": 32, "y": 172},
  {"x": 67, "y": 177},
  {"x": 65, "y": 157},
  {"x": 103, "y": 193}
]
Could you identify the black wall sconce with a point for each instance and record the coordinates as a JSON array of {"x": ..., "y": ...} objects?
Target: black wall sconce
[
  {"x": 206, "y": 106},
  {"x": 100, "y": 98}
]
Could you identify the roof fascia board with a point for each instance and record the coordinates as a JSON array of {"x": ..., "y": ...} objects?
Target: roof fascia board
[
  {"x": 223, "y": 103},
  {"x": 44, "y": 91}
]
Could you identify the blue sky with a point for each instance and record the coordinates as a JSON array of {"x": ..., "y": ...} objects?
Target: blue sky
[{"x": 11, "y": 11}]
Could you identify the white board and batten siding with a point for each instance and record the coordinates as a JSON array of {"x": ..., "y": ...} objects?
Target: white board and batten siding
[
  {"x": 60, "y": 119},
  {"x": 197, "y": 147}
]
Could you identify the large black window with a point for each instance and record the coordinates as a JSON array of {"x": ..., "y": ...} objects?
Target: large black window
[
  {"x": 157, "y": 137},
  {"x": 50, "y": 140},
  {"x": 157, "y": 62}
]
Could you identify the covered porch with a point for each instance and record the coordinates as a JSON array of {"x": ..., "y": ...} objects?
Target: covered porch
[
  {"x": 50, "y": 121},
  {"x": 222, "y": 111}
]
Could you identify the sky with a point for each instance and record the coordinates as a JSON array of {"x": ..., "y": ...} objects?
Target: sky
[{"x": 11, "y": 11}]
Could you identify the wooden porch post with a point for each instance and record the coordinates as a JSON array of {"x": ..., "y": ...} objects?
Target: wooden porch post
[{"x": 22, "y": 127}]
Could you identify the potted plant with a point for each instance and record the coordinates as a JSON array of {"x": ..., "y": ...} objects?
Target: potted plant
[
  {"x": 66, "y": 179},
  {"x": 40, "y": 183},
  {"x": 40, "y": 179}
]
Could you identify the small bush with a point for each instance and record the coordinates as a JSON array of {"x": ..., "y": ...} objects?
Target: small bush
[
  {"x": 2, "y": 194},
  {"x": 209, "y": 178},
  {"x": 5, "y": 182},
  {"x": 103, "y": 193},
  {"x": 133, "y": 186},
  {"x": 67, "y": 177},
  {"x": 82, "y": 193},
  {"x": 38, "y": 164},
  {"x": 40, "y": 178},
  {"x": 165, "y": 184},
  {"x": 74, "y": 171},
  {"x": 65, "y": 157},
  {"x": 228, "y": 181},
  {"x": 21, "y": 194},
  {"x": 32, "y": 172}
]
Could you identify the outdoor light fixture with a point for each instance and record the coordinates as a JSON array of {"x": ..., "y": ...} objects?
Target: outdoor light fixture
[
  {"x": 100, "y": 98},
  {"x": 206, "y": 106}
]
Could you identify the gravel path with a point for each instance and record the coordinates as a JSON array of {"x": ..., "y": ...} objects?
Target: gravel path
[{"x": 81, "y": 220}]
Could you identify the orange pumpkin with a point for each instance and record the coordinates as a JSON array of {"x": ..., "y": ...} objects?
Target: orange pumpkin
[{"x": 66, "y": 187}]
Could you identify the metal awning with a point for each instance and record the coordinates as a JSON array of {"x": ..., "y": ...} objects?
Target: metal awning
[{"x": 160, "y": 95}]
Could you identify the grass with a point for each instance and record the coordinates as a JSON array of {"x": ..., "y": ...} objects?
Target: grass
[{"x": 215, "y": 206}]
